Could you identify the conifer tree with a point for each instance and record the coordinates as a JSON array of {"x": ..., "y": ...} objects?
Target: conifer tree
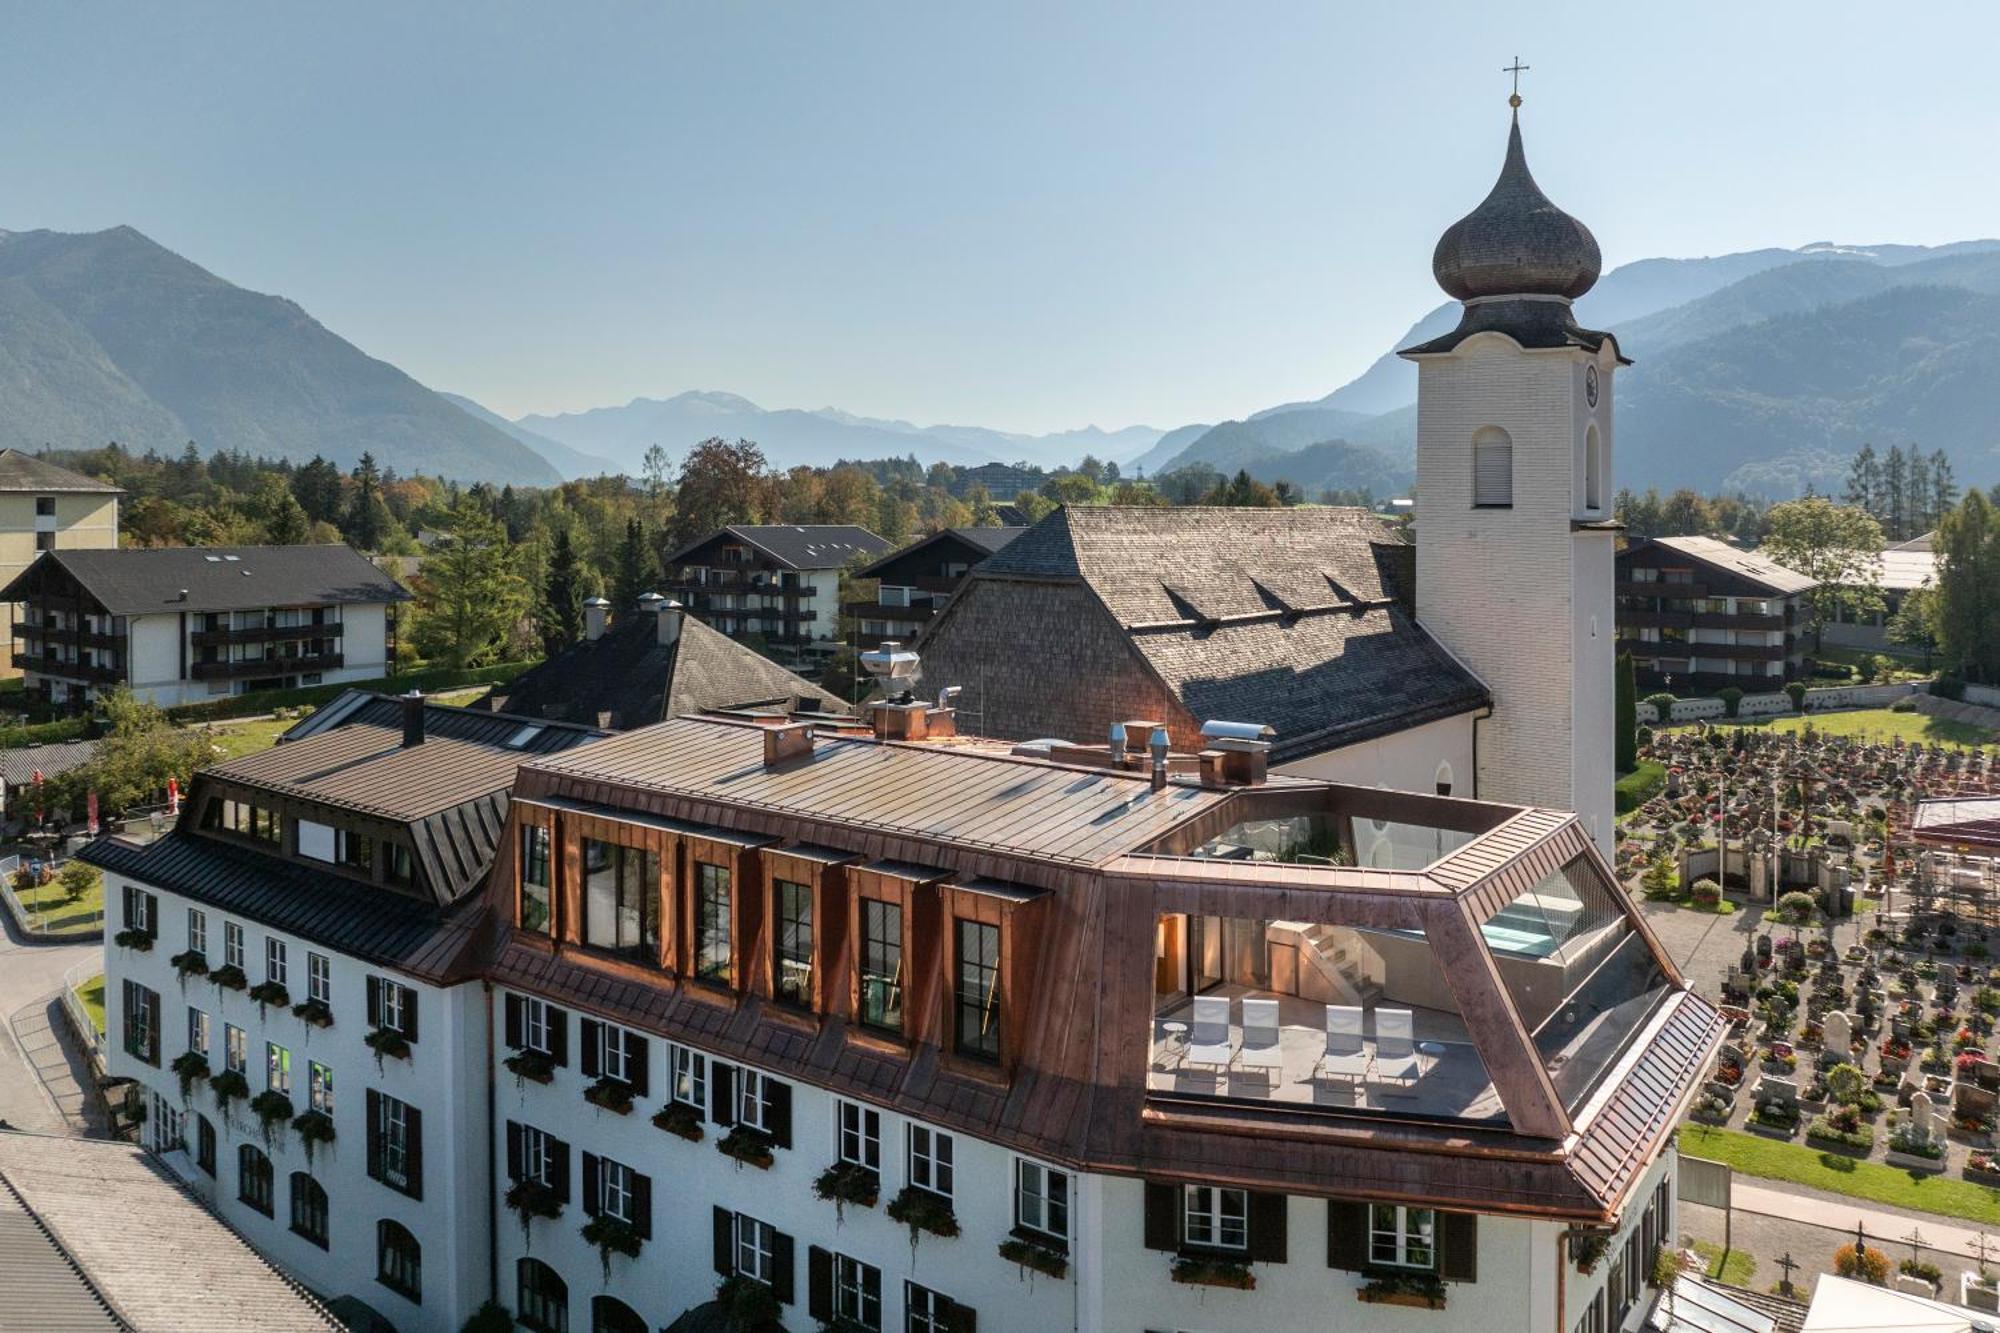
[{"x": 561, "y": 615}]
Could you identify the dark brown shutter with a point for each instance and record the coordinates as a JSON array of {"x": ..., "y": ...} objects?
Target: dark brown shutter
[
  {"x": 819, "y": 1283},
  {"x": 1267, "y": 1227},
  {"x": 642, "y": 1205},
  {"x": 409, "y": 1014},
  {"x": 374, "y": 1134},
  {"x": 558, "y": 1036},
  {"x": 513, "y": 1023},
  {"x": 722, "y": 1078},
  {"x": 784, "y": 1257},
  {"x": 587, "y": 1033},
  {"x": 513, "y": 1151},
  {"x": 1458, "y": 1247},
  {"x": 1163, "y": 1216},
  {"x": 725, "y": 1241},
  {"x": 413, "y": 1121},
  {"x": 778, "y": 1112},
  {"x": 638, "y": 1050},
  {"x": 961, "y": 1318},
  {"x": 1346, "y": 1235},
  {"x": 593, "y": 1184},
  {"x": 374, "y": 1002},
  {"x": 559, "y": 1168}
]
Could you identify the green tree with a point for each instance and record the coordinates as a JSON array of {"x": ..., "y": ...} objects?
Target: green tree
[
  {"x": 1837, "y": 546},
  {"x": 1915, "y": 623},
  {"x": 139, "y": 752},
  {"x": 285, "y": 523},
  {"x": 635, "y": 573},
  {"x": 560, "y": 617},
  {"x": 720, "y": 484},
  {"x": 368, "y": 518},
  {"x": 1966, "y": 612},
  {"x": 1626, "y": 708},
  {"x": 470, "y": 595}
]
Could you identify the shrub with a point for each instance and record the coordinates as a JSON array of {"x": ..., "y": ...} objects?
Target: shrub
[
  {"x": 1663, "y": 705},
  {"x": 1707, "y": 893},
  {"x": 1871, "y": 1265},
  {"x": 1845, "y": 1083},
  {"x": 78, "y": 878},
  {"x": 1922, "y": 1268},
  {"x": 1731, "y": 699},
  {"x": 1904, "y": 705},
  {"x": 1948, "y": 687},
  {"x": 1645, "y": 735},
  {"x": 1796, "y": 692},
  {"x": 1796, "y": 907}
]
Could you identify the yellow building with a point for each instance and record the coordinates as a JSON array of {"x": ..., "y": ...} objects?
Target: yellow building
[{"x": 46, "y": 508}]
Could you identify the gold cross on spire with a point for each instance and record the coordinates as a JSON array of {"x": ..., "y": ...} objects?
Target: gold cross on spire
[{"x": 1516, "y": 69}]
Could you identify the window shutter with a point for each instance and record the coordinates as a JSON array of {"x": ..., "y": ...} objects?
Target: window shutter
[
  {"x": 722, "y": 1077},
  {"x": 409, "y": 1014},
  {"x": 1493, "y": 473},
  {"x": 513, "y": 1025},
  {"x": 1458, "y": 1247},
  {"x": 1267, "y": 1227},
  {"x": 819, "y": 1284},
  {"x": 1163, "y": 1216},
  {"x": 587, "y": 1033},
  {"x": 593, "y": 1184},
  {"x": 778, "y": 1112},
  {"x": 1346, "y": 1235},
  {"x": 725, "y": 1242},
  {"x": 559, "y": 1168},
  {"x": 374, "y": 1002},
  {"x": 784, "y": 1256},
  {"x": 513, "y": 1151},
  {"x": 961, "y": 1318},
  {"x": 638, "y": 1051},
  {"x": 374, "y": 1134},
  {"x": 558, "y": 1036},
  {"x": 413, "y": 1119},
  {"x": 642, "y": 1205}
]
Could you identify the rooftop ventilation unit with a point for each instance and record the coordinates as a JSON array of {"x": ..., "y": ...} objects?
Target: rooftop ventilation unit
[{"x": 895, "y": 667}]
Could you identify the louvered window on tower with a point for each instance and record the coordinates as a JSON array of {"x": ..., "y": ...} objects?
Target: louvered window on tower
[{"x": 1492, "y": 469}]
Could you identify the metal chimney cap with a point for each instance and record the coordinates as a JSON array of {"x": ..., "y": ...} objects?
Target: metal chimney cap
[
  {"x": 1237, "y": 731},
  {"x": 651, "y": 600},
  {"x": 596, "y": 601}
]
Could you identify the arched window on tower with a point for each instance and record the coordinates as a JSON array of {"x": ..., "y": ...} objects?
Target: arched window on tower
[
  {"x": 1593, "y": 469},
  {"x": 1492, "y": 469}
]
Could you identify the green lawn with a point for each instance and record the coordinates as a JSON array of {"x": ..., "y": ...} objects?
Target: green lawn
[
  {"x": 91, "y": 992},
  {"x": 1875, "y": 723},
  {"x": 233, "y": 740},
  {"x": 1772, "y": 1160},
  {"x": 48, "y": 914},
  {"x": 1733, "y": 1267}
]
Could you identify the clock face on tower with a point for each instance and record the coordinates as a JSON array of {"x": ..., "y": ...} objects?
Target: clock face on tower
[{"x": 1590, "y": 385}]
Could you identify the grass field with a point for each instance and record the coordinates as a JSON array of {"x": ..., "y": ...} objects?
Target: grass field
[
  {"x": 91, "y": 992},
  {"x": 1772, "y": 1160},
  {"x": 1733, "y": 1267},
  {"x": 236, "y": 739},
  {"x": 1878, "y": 723},
  {"x": 48, "y": 914}
]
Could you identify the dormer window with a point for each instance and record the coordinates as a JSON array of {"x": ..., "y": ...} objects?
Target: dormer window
[
  {"x": 711, "y": 923},
  {"x": 882, "y": 965},
  {"x": 977, "y": 1029},
  {"x": 535, "y": 882},
  {"x": 621, "y": 902}
]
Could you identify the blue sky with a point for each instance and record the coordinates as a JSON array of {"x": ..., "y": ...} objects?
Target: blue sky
[{"x": 1027, "y": 216}]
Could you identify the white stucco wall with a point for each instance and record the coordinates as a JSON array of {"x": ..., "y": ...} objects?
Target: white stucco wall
[
  {"x": 1402, "y": 761},
  {"x": 155, "y": 647}
]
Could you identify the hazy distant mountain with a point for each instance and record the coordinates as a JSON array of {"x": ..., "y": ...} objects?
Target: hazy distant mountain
[
  {"x": 107, "y": 335},
  {"x": 1165, "y": 449},
  {"x": 570, "y": 462},
  {"x": 790, "y": 436}
]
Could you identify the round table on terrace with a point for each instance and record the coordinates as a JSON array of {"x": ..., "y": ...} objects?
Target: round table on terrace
[{"x": 1432, "y": 1051}]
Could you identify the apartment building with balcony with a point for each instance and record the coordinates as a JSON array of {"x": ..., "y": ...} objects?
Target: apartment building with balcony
[
  {"x": 1699, "y": 614},
  {"x": 182, "y": 624},
  {"x": 917, "y": 581},
  {"x": 776, "y": 580},
  {"x": 43, "y": 507}
]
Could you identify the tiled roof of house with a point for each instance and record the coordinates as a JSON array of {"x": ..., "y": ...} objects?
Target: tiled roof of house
[
  {"x": 139, "y": 581},
  {"x": 97, "y": 1235},
  {"x": 25, "y": 472},
  {"x": 628, "y": 678},
  {"x": 812, "y": 546},
  {"x": 987, "y": 539},
  {"x": 18, "y": 765},
  {"x": 1752, "y": 565},
  {"x": 1295, "y": 618}
]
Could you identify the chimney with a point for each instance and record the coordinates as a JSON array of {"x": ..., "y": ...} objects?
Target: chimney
[
  {"x": 1158, "y": 746},
  {"x": 671, "y": 614},
  {"x": 594, "y": 612},
  {"x": 413, "y": 719},
  {"x": 650, "y": 601},
  {"x": 1237, "y": 754},
  {"x": 790, "y": 741},
  {"x": 1118, "y": 745}
]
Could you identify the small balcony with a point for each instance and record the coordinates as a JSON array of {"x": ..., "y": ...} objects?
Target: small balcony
[
  {"x": 257, "y": 667},
  {"x": 219, "y": 638},
  {"x": 44, "y": 665},
  {"x": 82, "y": 638}
]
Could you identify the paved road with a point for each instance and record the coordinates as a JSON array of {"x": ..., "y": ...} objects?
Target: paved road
[{"x": 39, "y": 1087}]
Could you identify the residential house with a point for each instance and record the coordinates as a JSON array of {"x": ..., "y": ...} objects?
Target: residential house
[
  {"x": 1902, "y": 569},
  {"x": 918, "y": 580},
  {"x": 778, "y": 581},
  {"x": 182, "y": 624},
  {"x": 1698, "y": 614},
  {"x": 43, "y": 507}
]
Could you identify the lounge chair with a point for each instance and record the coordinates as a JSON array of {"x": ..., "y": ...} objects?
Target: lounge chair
[
  {"x": 1208, "y": 1041},
  {"x": 1395, "y": 1049},
  {"x": 1346, "y": 1052},
  {"x": 1262, "y": 1043}
]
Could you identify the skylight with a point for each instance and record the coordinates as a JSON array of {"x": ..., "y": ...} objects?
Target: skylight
[{"x": 520, "y": 739}]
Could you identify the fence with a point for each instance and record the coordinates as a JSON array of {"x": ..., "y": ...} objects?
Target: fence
[
  {"x": 79, "y": 1018},
  {"x": 74, "y": 925},
  {"x": 1780, "y": 705}
]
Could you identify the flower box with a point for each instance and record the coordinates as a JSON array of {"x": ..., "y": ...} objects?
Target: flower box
[
  {"x": 314, "y": 1128},
  {"x": 531, "y": 1067},
  {"x": 1979, "y": 1293},
  {"x": 1419, "y": 1291},
  {"x": 1033, "y": 1254},
  {"x": 139, "y": 941},
  {"x": 680, "y": 1119},
  {"x": 1200, "y": 1271},
  {"x": 609, "y": 1094},
  {"x": 270, "y": 994},
  {"x": 388, "y": 1044},
  {"x": 190, "y": 963},
  {"x": 612, "y": 1236},
  {"x": 272, "y": 1108},
  {"x": 920, "y": 1209},
  {"x": 848, "y": 1182},
  {"x": 190, "y": 1067},
  {"x": 314, "y": 1013},
  {"x": 752, "y": 1147},
  {"x": 531, "y": 1199},
  {"x": 229, "y": 977},
  {"x": 228, "y": 1086}
]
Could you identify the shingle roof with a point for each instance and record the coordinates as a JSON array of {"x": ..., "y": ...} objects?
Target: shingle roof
[
  {"x": 18, "y": 765},
  {"x": 816, "y": 546},
  {"x": 137, "y": 581},
  {"x": 1752, "y": 565},
  {"x": 1290, "y": 617},
  {"x": 96, "y": 1235},
  {"x": 988, "y": 539},
  {"x": 633, "y": 680},
  {"x": 25, "y": 472}
]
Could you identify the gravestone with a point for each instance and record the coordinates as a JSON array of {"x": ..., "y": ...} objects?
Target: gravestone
[
  {"x": 1836, "y": 1037},
  {"x": 1923, "y": 1117}
]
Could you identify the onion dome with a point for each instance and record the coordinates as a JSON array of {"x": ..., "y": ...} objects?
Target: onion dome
[{"x": 1516, "y": 243}]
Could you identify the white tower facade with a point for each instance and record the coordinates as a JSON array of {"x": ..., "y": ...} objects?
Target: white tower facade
[{"x": 1515, "y": 537}]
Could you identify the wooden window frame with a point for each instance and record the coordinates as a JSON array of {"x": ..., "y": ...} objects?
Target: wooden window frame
[
  {"x": 1020, "y": 922},
  {"x": 826, "y": 883}
]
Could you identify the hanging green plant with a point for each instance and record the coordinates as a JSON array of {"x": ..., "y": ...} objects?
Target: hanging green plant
[
  {"x": 314, "y": 1128},
  {"x": 228, "y": 1086},
  {"x": 272, "y": 1108},
  {"x": 388, "y": 1044},
  {"x": 608, "y": 1094},
  {"x": 532, "y": 1067},
  {"x": 531, "y": 1199},
  {"x": 749, "y": 1304},
  {"x": 189, "y": 963},
  {"x": 923, "y": 1210},
  {"x": 270, "y": 994},
  {"x": 315, "y": 1013},
  {"x": 679, "y": 1118},
  {"x": 229, "y": 977},
  {"x": 1031, "y": 1254},
  {"x": 190, "y": 1067},
  {"x": 1200, "y": 1271},
  {"x": 611, "y": 1236},
  {"x": 747, "y": 1145},
  {"x": 848, "y": 1182},
  {"x": 139, "y": 941}
]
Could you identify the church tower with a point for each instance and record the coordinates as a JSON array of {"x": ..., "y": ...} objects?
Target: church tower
[{"x": 1515, "y": 537}]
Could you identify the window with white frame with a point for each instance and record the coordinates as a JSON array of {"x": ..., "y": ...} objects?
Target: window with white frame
[
  {"x": 690, "y": 1077},
  {"x": 535, "y": 1025},
  {"x": 319, "y": 978},
  {"x": 235, "y": 1049},
  {"x": 1219, "y": 1218},
  {"x": 750, "y": 1098},
  {"x": 930, "y": 1160},
  {"x": 927, "y": 1311},
  {"x": 277, "y": 1068},
  {"x": 615, "y": 1190},
  {"x": 320, "y": 1092},
  {"x": 756, "y": 1249},
  {"x": 393, "y": 999},
  {"x": 860, "y": 1135},
  {"x": 857, "y": 1291},
  {"x": 1041, "y": 1198},
  {"x": 198, "y": 931},
  {"x": 614, "y": 1051},
  {"x": 538, "y": 1155},
  {"x": 1402, "y": 1237},
  {"x": 197, "y": 1031},
  {"x": 274, "y": 961},
  {"x": 232, "y": 944},
  {"x": 392, "y": 1133}
]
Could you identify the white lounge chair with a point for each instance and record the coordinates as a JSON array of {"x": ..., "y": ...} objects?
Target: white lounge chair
[
  {"x": 1208, "y": 1041},
  {"x": 1395, "y": 1049},
  {"x": 1262, "y": 1042},
  {"x": 1346, "y": 1051}
]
